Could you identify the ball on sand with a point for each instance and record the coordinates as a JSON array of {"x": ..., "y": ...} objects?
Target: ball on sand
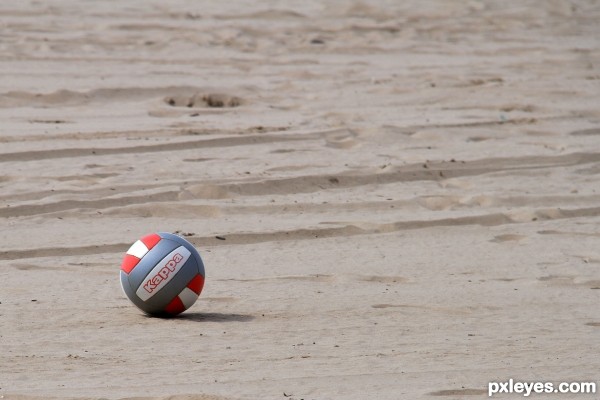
[{"x": 162, "y": 274}]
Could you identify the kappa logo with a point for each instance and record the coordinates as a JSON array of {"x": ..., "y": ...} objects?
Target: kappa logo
[{"x": 163, "y": 273}]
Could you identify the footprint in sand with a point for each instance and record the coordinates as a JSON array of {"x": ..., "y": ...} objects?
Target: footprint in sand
[
  {"x": 341, "y": 139},
  {"x": 204, "y": 191},
  {"x": 213, "y": 100},
  {"x": 508, "y": 238}
]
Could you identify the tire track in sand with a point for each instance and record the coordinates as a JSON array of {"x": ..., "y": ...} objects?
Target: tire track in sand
[
  {"x": 37, "y": 155},
  {"x": 312, "y": 183},
  {"x": 494, "y": 219}
]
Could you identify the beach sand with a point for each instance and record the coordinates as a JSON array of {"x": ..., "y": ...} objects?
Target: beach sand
[{"x": 393, "y": 200}]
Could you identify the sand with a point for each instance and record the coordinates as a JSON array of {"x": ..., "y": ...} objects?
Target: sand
[{"x": 393, "y": 200}]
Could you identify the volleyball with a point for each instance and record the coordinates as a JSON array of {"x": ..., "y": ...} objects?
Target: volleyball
[{"x": 162, "y": 274}]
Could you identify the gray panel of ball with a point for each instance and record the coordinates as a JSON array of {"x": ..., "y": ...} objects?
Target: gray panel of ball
[
  {"x": 149, "y": 261},
  {"x": 130, "y": 292},
  {"x": 164, "y": 296},
  {"x": 187, "y": 245}
]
